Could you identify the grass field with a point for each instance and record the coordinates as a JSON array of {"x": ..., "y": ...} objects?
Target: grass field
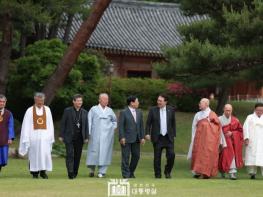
[{"x": 15, "y": 179}]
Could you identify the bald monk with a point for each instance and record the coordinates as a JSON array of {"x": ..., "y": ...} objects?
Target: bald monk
[
  {"x": 206, "y": 139},
  {"x": 230, "y": 158}
]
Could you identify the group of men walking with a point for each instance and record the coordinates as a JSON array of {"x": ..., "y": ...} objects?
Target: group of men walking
[
  {"x": 216, "y": 142},
  {"x": 96, "y": 128}
]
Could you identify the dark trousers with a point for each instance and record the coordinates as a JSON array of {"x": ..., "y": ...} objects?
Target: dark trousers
[
  {"x": 128, "y": 166},
  {"x": 73, "y": 154},
  {"x": 163, "y": 142}
]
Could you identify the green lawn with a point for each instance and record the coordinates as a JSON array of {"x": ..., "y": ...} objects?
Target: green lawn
[{"x": 16, "y": 181}]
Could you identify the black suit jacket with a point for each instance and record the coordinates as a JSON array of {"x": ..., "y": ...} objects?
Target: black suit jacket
[
  {"x": 68, "y": 124},
  {"x": 129, "y": 129},
  {"x": 153, "y": 123}
]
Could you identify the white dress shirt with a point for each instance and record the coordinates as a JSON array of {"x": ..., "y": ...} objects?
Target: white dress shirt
[
  {"x": 163, "y": 121},
  {"x": 133, "y": 111}
]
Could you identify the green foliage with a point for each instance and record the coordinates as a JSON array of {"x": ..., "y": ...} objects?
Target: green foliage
[
  {"x": 213, "y": 8},
  {"x": 163, "y": 1},
  {"x": 217, "y": 50},
  {"x": 146, "y": 89},
  {"x": 59, "y": 149},
  {"x": 24, "y": 14},
  {"x": 41, "y": 59}
]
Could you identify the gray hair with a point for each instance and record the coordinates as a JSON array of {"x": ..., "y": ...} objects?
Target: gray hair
[
  {"x": 103, "y": 94},
  {"x": 2, "y": 96},
  {"x": 206, "y": 100},
  {"x": 39, "y": 95}
]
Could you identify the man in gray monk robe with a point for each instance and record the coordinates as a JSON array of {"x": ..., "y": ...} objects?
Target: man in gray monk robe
[{"x": 102, "y": 122}]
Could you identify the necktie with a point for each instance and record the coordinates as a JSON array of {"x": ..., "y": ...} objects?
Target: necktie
[
  {"x": 134, "y": 114},
  {"x": 163, "y": 122}
]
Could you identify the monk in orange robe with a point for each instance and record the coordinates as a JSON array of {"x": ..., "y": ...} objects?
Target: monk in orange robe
[
  {"x": 230, "y": 159},
  {"x": 206, "y": 139}
]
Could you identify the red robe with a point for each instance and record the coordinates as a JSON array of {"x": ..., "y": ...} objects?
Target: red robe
[
  {"x": 234, "y": 146},
  {"x": 206, "y": 146}
]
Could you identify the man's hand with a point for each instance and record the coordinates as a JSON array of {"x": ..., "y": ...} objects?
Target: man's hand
[
  {"x": 142, "y": 141},
  {"x": 10, "y": 142},
  {"x": 60, "y": 139},
  {"x": 229, "y": 133},
  {"x": 86, "y": 141},
  {"x": 123, "y": 141},
  {"x": 246, "y": 142},
  {"x": 148, "y": 137}
]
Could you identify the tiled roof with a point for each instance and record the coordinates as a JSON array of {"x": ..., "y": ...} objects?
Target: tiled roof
[{"x": 136, "y": 28}]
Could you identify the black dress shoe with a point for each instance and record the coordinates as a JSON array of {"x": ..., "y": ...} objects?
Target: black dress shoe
[
  {"x": 35, "y": 176},
  {"x": 168, "y": 175},
  {"x": 132, "y": 176},
  {"x": 43, "y": 175},
  {"x": 196, "y": 176},
  {"x": 158, "y": 176},
  {"x": 71, "y": 175},
  {"x": 91, "y": 174},
  {"x": 253, "y": 176}
]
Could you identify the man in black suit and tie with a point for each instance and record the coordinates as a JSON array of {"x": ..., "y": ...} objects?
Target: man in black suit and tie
[
  {"x": 160, "y": 129},
  {"x": 74, "y": 132},
  {"x": 131, "y": 135}
]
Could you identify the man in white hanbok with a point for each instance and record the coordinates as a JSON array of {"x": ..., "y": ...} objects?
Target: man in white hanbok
[
  {"x": 253, "y": 136},
  {"x": 102, "y": 122},
  {"x": 37, "y": 137}
]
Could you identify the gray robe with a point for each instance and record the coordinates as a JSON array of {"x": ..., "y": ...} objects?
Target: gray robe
[{"x": 101, "y": 129}]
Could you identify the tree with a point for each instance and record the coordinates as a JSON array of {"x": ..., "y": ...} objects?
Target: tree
[
  {"x": 40, "y": 61},
  {"x": 12, "y": 15},
  {"x": 27, "y": 21},
  {"x": 77, "y": 45},
  {"x": 215, "y": 51}
]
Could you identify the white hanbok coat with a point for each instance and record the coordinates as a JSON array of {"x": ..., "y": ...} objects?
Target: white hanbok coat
[
  {"x": 253, "y": 130},
  {"x": 102, "y": 123},
  {"x": 37, "y": 143}
]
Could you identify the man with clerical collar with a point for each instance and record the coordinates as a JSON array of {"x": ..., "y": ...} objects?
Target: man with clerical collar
[
  {"x": 74, "y": 133},
  {"x": 102, "y": 122},
  {"x": 37, "y": 137},
  {"x": 253, "y": 136},
  {"x": 7, "y": 133},
  {"x": 207, "y": 136},
  {"x": 230, "y": 159}
]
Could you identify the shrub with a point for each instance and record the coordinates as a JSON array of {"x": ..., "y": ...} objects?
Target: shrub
[{"x": 30, "y": 73}]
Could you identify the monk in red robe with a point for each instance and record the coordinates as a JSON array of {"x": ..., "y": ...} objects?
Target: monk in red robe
[
  {"x": 230, "y": 158},
  {"x": 206, "y": 139}
]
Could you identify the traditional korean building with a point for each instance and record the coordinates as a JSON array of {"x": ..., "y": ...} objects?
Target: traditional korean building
[{"x": 131, "y": 35}]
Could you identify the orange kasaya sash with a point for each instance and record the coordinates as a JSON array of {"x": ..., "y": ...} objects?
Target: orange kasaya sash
[
  {"x": 206, "y": 146},
  {"x": 40, "y": 122}
]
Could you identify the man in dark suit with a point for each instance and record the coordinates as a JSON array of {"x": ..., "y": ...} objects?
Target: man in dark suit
[
  {"x": 131, "y": 135},
  {"x": 160, "y": 129},
  {"x": 74, "y": 132}
]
